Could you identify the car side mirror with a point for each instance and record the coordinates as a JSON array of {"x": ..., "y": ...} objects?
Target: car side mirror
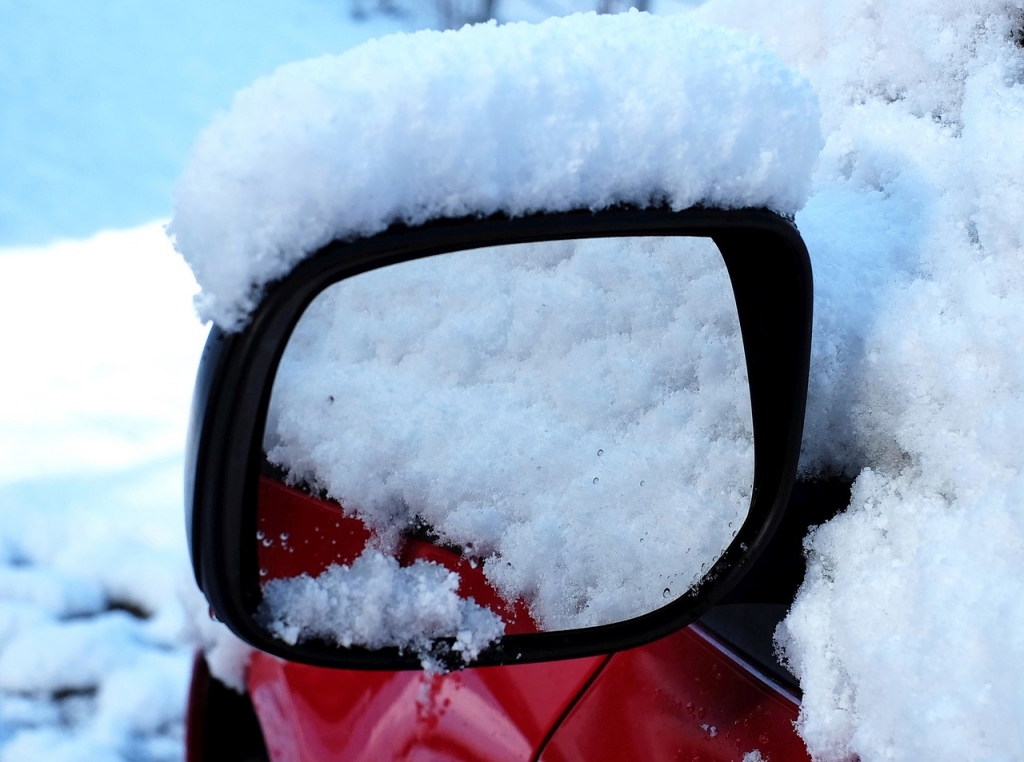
[{"x": 501, "y": 440}]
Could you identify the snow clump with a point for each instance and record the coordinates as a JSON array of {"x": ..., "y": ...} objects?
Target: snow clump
[
  {"x": 377, "y": 603},
  {"x": 908, "y": 633},
  {"x": 581, "y": 112}
]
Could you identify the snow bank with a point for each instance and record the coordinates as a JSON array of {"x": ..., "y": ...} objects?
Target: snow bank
[
  {"x": 574, "y": 414},
  {"x": 104, "y": 352},
  {"x": 100, "y": 347},
  {"x": 908, "y": 634},
  {"x": 586, "y": 111}
]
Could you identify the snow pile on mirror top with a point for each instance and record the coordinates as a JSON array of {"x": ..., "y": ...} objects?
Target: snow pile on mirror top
[
  {"x": 908, "y": 634},
  {"x": 574, "y": 415},
  {"x": 580, "y": 112},
  {"x": 377, "y": 603}
]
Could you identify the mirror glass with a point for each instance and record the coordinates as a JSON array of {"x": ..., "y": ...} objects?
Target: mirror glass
[{"x": 515, "y": 439}]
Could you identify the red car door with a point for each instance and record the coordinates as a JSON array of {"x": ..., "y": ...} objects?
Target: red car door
[
  {"x": 689, "y": 696},
  {"x": 685, "y": 697}
]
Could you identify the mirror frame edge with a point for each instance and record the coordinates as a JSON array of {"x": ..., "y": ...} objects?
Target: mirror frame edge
[{"x": 770, "y": 272}]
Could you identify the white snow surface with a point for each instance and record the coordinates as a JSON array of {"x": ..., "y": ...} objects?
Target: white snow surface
[
  {"x": 574, "y": 414},
  {"x": 908, "y": 633},
  {"x": 580, "y": 112},
  {"x": 100, "y": 349},
  {"x": 374, "y": 602}
]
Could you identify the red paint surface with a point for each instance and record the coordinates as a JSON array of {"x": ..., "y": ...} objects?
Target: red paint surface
[
  {"x": 488, "y": 714},
  {"x": 680, "y": 698},
  {"x": 298, "y": 533}
]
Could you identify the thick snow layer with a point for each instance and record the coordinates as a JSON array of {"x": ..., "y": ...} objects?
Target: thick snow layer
[
  {"x": 374, "y": 602},
  {"x": 100, "y": 347},
  {"x": 908, "y": 634},
  {"x": 581, "y": 112},
  {"x": 575, "y": 414},
  {"x": 104, "y": 350}
]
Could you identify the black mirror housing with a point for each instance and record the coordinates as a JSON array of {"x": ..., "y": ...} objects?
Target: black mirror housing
[{"x": 771, "y": 279}]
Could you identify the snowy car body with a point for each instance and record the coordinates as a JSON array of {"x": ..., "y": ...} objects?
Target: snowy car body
[
  {"x": 687, "y": 686},
  {"x": 903, "y": 633},
  {"x": 711, "y": 690}
]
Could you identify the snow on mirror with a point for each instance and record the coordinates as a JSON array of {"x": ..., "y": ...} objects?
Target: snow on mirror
[{"x": 510, "y": 440}]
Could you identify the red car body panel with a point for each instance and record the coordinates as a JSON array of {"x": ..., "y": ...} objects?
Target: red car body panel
[
  {"x": 300, "y": 534},
  {"x": 685, "y": 697},
  {"x": 496, "y": 714}
]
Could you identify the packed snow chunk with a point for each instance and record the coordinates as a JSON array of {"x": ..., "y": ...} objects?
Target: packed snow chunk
[
  {"x": 574, "y": 415},
  {"x": 377, "y": 603},
  {"x": 908, "y": 632},
  {"x": 580, "y": 112}
]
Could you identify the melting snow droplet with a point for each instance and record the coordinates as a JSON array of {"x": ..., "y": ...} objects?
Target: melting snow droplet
[
  {"x": 267, "y": 542},
  {"x": 259, "y": 535},
  {"x": 284, "y": 537},
  {"x": 596, "y": 480},
  {"x": 600, "y": 453},
  {"x": 264, "y": 572},
  {"x": 666, "y": 593}
]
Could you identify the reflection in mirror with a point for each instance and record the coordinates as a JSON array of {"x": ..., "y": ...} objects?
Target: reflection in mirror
[{"x": 525, "y": 438}]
